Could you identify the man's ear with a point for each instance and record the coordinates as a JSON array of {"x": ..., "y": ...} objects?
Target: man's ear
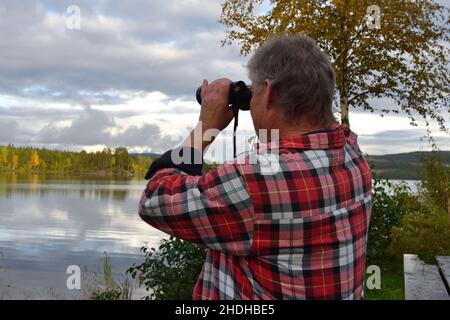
[{"x": 268, "y": 93}]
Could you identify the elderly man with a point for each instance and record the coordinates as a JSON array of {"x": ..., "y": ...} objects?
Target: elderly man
[{"x": 298, "y": 232}]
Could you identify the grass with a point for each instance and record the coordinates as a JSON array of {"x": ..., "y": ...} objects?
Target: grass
[
  {"x": 111, "y": 290},
  {"x": 392, "y": 281}
]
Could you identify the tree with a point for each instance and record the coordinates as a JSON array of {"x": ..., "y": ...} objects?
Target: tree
[
  {"x": 83, "y": 161},
  {"x": 35, "y": 161},
  {"x": 122, "y": 159},
  {"x": 435, "y": 182},
  {"x": 4, "y": 157},
  {"x": 106, "y": 157},
  {"x": 14, "y": 161},
  {"x": 403, "y": 58}
]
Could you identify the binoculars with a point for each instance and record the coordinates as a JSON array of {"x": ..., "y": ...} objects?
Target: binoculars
[{"x": 239, "y": 95}]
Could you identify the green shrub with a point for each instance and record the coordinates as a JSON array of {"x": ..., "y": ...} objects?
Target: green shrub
[
  {"x": 403, "y": 222},
  {"x": 435, "y": 186},
  {"x": 426, "y": 229},
  {"x": 390, "y": 203},
  {"x": 170, "y": 272},
  {"x": 427, "y": 235},
  {"x": 106, "y": 295}
]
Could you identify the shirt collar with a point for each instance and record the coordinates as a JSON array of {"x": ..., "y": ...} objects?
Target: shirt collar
[{"x": 332, "y": 138}]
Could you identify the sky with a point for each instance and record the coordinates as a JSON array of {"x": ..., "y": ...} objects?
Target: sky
[{"x": 128, "y": 76}]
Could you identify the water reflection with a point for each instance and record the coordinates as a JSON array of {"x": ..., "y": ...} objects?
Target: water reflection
[
  {"x": 102, "y": 192},
  {"x": 47, "y": 224},
  {"x": 117, "y": 190}
]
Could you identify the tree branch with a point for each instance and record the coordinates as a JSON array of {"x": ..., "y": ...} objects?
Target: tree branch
[{"x": 358, "y": 95}]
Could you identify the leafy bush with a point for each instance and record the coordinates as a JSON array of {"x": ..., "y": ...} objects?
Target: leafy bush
[
  {"x": 390, "y": 203},
  {"x": 427, "y": 235},
  {"x": 106, "y": 295},
  {"x": 403, "y": 222},
  {"x": 426, "y": 230},
  {"x": 435, "y": 186},
  {"x": 170, "y": 272}
]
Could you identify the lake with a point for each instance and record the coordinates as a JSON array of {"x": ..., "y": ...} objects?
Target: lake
[{"x": 49, "y": 224}]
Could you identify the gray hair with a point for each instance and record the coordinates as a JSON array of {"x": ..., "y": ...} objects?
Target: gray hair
[{"x": 300, "y": 74}]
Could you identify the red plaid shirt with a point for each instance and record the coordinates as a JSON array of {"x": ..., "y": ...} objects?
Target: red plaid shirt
[{"x": 298, "y": 232}]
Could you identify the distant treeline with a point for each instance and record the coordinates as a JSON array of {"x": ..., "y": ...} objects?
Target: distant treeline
[
  {"x": 69, "y": 163},
  {"x": 106, "y": 162},
  {"x": 404, "y": 165}
]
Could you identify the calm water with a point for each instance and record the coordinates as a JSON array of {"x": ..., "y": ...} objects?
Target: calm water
[{"x": 47, "y": 225}]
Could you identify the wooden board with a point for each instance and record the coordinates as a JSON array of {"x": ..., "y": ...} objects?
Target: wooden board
[
  {"x": 443, "y": 264},
  {"x": 422, "y": 281}
]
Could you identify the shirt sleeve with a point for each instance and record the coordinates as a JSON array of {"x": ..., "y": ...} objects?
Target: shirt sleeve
[{"x": 214, "y": 209}]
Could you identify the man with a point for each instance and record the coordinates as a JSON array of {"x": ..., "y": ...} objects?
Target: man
[{"x": 298, "y": 232}]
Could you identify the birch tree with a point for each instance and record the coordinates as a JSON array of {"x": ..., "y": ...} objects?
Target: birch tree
[{"x": 394, "y": 49}]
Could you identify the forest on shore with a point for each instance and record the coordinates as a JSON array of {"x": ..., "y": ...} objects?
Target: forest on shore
[
  {"x": 108, "y": 162},
  {"x": 115, "y": 161}
]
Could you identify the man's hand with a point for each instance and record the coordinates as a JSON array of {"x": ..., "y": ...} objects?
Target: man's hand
[{"x": 215, "y": 112}]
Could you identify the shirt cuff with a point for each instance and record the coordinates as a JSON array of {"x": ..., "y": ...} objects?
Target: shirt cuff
[{"x": 186, "y": 159}]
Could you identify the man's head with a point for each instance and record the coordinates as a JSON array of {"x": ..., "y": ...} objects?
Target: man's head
[{"x": 292, "y": 84}]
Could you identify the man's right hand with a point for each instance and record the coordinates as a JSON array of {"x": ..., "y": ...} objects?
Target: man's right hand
[{"x": 215, "y": 112}]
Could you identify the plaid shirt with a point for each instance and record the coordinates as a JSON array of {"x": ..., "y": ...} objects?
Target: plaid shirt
[{"x": 299, "y": 232}]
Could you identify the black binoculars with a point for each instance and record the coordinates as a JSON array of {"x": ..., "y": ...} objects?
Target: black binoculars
[{"x": 239, "y": 96}]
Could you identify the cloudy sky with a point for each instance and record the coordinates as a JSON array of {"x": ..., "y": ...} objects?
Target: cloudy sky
[{"x": 128, "y": 76}]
